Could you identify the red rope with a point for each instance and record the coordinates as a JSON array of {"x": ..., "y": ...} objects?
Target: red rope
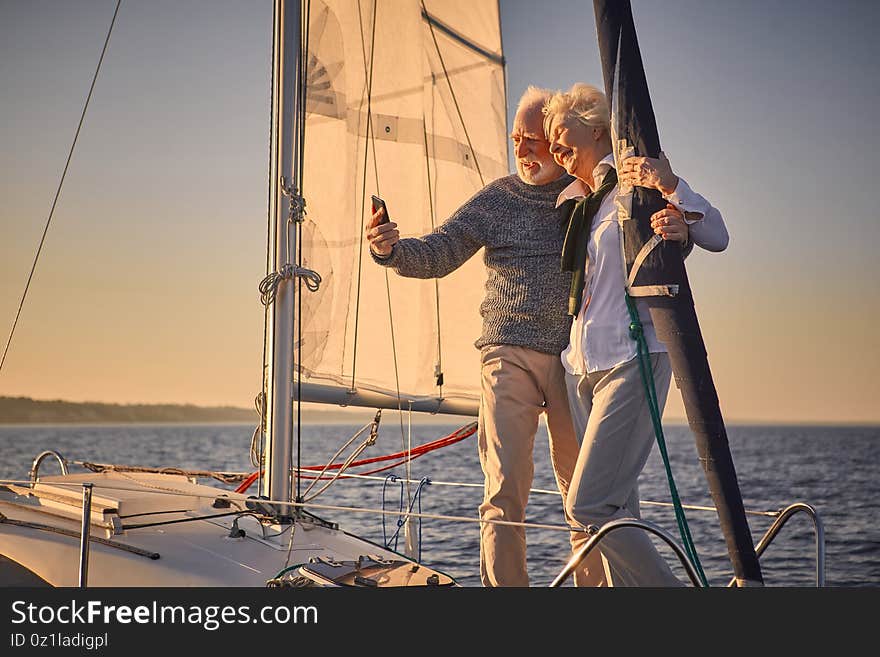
[
  {"x": 243, "y": 486},
  {"x": 414, "y": 453}
]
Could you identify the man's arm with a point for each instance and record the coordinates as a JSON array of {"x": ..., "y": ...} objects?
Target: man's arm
[{"x": 431, "y": 256}]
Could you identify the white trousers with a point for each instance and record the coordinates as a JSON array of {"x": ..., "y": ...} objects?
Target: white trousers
[{"x": 611, "y": 415}]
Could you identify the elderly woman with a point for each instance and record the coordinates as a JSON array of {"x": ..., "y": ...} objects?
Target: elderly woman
[{"x": 606, "y": 394}]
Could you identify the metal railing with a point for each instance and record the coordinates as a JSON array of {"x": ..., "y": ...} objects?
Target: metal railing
[
  {"x": 85, "y": 536},
  {"x": 779, "y": 523},
  {"x": 35, "y": 466},
  {"x": 607, "y": 528},
  {"x": 781, "y": 518},
  {"x": 86, "y": 525}
]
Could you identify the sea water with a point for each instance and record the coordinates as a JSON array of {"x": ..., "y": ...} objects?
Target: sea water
[{"x": 834, "y": 469}]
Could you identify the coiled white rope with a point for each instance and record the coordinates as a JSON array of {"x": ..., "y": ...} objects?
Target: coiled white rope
[{"x": 269, "y": 285}]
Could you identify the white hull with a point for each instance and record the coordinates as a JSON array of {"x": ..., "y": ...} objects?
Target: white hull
[{"x": 199, "y": 552}]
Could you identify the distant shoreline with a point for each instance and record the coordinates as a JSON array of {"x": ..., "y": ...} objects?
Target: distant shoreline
[
  {"x": 25, "y": 410},
  {"x": 28, "y": 411}
]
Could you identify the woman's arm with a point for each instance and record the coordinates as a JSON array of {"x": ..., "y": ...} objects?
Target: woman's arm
[{"x": 705, "y": 223}]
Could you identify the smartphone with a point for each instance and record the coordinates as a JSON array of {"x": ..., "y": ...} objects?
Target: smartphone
[{"x": 379, "y": 203}]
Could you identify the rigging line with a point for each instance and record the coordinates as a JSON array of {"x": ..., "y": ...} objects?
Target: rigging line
[
  {"x": 408, "y": 469},
  {"x": 6, "y": 483},
  {"x": 256, "y": 444},
  {"x": 357, "y": 452},
  {"x": 233, "y": 477},
  {"x": 221, "y": 476},
  {"x": 353, "y": 509},
  {"x": 60, "y": 185},
  {"x": 297, "y": 370},
  {"x": 262, "y": 401},
  {"x": 439, "y": 373},
  {"x": 338, "y": 452},
  {"x": 370, "y": 143},
  {"x": 293, "y": 527},
  {"x": 301, "y": 136},
  {"x": 504, "y": 87},
  {"x": 193, "y": 519},
  {"x": 297, "y": 232},
  {"x": 75, "y": 534},
  {"x": 368, "y": 74},
  {"x": 430, "y": 516},
  {"x": 645, "y": 369},
  {"x": 402, "y": 521},
  {"x": 462, "y": 39},
  {"x": 454, "y": 98},
  {"x": 394, "y": 359},
  {"x": 302, "y": 91}
]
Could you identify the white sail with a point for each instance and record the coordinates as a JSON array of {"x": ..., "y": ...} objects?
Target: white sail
[
  {"x": 405, "y": 100},
  {"x": 124, "y": 526}
]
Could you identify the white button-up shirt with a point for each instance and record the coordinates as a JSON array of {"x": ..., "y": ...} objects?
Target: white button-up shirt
[{"x": 599, "y": 338}]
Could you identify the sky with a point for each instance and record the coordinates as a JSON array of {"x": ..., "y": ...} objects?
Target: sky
[{"x": 765, "y": 108}]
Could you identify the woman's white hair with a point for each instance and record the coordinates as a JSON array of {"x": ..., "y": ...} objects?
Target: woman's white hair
[{"x": 583, "y": 102}]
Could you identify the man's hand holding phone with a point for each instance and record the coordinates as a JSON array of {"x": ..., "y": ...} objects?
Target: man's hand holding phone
[{"x": 381, "y": 231}]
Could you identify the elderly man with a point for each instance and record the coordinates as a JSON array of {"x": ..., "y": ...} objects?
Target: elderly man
[{"x": 525, "y": 328}]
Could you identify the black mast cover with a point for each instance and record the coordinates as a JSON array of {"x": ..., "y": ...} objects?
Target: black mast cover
[{"x": 674, "y": 316}]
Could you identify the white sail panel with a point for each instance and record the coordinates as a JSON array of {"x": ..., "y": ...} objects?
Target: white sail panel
[{"x": 432, "y": 84}]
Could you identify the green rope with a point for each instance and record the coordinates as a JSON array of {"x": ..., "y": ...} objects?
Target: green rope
[{"x": 637, "y": 333}]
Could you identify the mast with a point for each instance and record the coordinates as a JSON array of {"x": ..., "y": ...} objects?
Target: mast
[
  {"x": 660, "y": 278},
  {"x": 284, "y": 211}
]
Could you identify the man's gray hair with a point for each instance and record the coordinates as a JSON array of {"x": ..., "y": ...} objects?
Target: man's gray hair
[
  {"x": 533, "y": 96},
  {"x": 584, "y": 102}
]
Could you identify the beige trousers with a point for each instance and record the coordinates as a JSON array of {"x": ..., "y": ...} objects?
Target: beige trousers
[
  {"x": 610, "y": 410},
  {"x": 518, "y": 384}
]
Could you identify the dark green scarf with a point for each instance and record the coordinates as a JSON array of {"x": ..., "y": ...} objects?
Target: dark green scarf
[{"x": 577, "y": 236}]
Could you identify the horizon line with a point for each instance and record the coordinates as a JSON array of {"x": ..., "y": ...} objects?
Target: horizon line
[{"x": 333, "y": 408}]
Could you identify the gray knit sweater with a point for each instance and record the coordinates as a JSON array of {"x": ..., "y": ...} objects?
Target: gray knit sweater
[{"x": 522, "y": 231}]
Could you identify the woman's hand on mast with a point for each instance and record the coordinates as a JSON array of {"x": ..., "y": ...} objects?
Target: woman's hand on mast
[
  {"x": 669, "y": 224},
  {"x": 382, "y": 237},
  {"x": 648, "y": 172}
]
